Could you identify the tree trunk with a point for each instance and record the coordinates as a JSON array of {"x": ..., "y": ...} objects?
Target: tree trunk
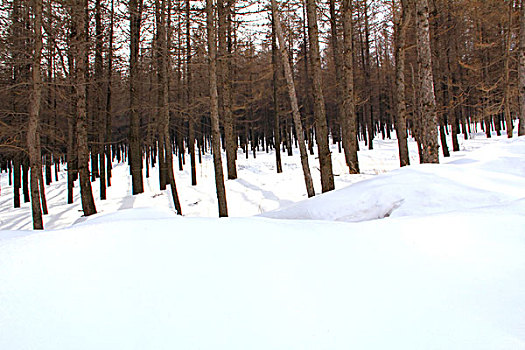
[
  {"x": 401, "y": 22},
  {"x": 34, "y": 118},
  {"x": 223, "y": 68},
  {"x": 100, "y": 112},
  {"x": 109, "y": 110},
  {"x": 348, "y": 106},
  {"x": 214, "y": 110},
  {"x": 191, "y": 121},
  {"x": 163, "y": 46},
  {"x": 429, "y": 137},
  {"x": 321, "y": 134},
  {"x": 16, "y": 181},
  {"x": 293, "y": 101},
  {"x": 86, "y": 194},
  {"x": 275, "y": 85},
  {"x": 521, "y": 128},
  {"x": 135, "y": 151}
]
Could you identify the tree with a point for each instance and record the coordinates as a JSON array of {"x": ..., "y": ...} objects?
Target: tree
[
  {"x": 321, "y": 134},
  {"x": 214, "y": 109},
  {"x": 293, "y": 101},
  {"x": 33, "y": 135},
  {"x": 80, "y": 57},
  {"x": 135, "y": 149},
  {"x": 223, "y": 68},
  {"x": 428, "y": 135},
  {"x": 521, "y": 128},
  {"x": 349, "y": 121},
  {"x": 401, "y": 20},
  {"x": 163, "y": 100}
]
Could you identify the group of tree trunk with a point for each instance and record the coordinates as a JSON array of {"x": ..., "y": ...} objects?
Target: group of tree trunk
[{"x": 82, "y": 86}]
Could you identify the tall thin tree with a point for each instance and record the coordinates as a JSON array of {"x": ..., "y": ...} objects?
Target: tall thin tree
[
  {"x": 34, "y": 118},
  {"x": 80, "y": 42},
  {"x": 429, "y": 125},
  {"x": 293, "y": 101},
  {"x": 349, "y": 117},
  {"x": 321, "y": 134},
  {"x": 401, "y": 17},
  {"x": 135, "y": 149},
  {"x": 214, "y": 110}
]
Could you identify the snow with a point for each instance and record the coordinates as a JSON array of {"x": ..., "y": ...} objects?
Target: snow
[
  {"x": 481, "y": 178},
  {"x": 424, "y": 257}
]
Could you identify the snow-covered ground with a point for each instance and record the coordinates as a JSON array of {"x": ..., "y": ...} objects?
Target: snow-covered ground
[{"x": 424, "y": 257}]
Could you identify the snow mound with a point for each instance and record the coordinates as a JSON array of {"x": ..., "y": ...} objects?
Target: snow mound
[
  {"x": 449, "y": 281},
  {"x": 493, "y": 175}
]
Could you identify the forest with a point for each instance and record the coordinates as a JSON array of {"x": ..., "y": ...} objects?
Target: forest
[{"x": 85, "y": 83}]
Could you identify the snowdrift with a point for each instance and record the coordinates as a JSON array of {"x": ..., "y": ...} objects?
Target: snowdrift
[
  {"x": 493, "y": 175},
  {"x": 448, "y": 281},
  {"x": 444, "y": 270}
]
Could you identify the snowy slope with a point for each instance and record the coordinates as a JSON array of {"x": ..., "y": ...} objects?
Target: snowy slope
[
  {"x": 490, "y": 176},
  {"x": 444, "y": 270},
  {"x": 448, "y": 281}
]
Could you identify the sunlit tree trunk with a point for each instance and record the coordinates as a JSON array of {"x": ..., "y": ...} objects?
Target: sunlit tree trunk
[
  {"x": 293, "y": 101},
  {"x": 429, "y": 137}
]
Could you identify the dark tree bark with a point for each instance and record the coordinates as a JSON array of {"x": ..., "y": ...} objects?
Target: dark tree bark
[
  {"x": 100, "y": 112},
  {"x": 508, "y": 36},
  {"x": 224, "y": 77},
  {"x": 191, "y": 121},
  {"x": 80, "y": 47},
  {"x": 321, "y": 134},
  {"x": 135, "y": 149},
  {"x": 163, "y": 101},
  {"x": 275, "y": 86},
  {"x": 214, "y": 110},
  {"x": 16, "y": 180},
  {"x": 401, "y": 21},
  {"x": 33, "y": 133},
  {"x": 521, "y": 128},
  {"x": 109, "y": 106}
]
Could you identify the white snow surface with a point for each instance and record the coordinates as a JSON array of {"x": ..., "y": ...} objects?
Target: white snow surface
[
  {"x": 424, "y": 257},
  {"x": 492, "y": 175}
]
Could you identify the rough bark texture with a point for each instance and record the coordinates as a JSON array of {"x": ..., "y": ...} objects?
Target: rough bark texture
[
  {"x": 214, "y": 110},
  {"x": 109, "y": 110},
  {"x": 86, "y": 194},
  {"x": 508, "y": 117},
  {"x": 401, "y": 21},
  {"x": 223, "y": 68},
  {"x": 275, "y": 83},
  {"x": 429, "y": 125},
  {"x": 191, "y": 122},
  {"x": 101, "y": 114},
  {"x": 135, "y": 152},
  {"x": 34, "y": 119},
  {"x": 293, "y": 101},
  {"x": 521, "y": 128},
  {"x": 321, "y": 135},
  {"x": 164, "y": 116},
  {"x": 349, "y": 117}
]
